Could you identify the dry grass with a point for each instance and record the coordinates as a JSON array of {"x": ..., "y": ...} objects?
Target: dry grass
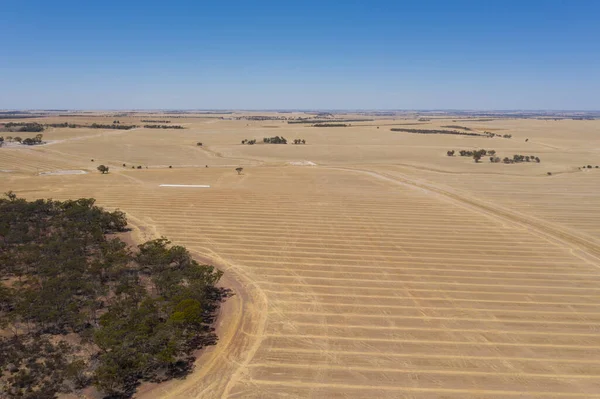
[{"x": 388, "y": 270}]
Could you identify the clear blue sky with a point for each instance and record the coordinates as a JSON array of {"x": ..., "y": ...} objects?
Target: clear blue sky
[{"x": 300, "y": 54}]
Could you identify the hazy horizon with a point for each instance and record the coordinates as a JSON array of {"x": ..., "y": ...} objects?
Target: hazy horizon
[{"x": 377, "y": 55}]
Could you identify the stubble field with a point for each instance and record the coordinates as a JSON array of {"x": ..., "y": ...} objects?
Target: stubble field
[{"x": 388, "y": 269}]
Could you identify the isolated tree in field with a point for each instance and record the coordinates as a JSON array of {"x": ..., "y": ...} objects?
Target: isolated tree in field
[
  {"x": 450, "y": 153},
  {"x": 199, "y": 144},
  {"x": 239, "y": 170},
  {"x": 103, "y": 169}
]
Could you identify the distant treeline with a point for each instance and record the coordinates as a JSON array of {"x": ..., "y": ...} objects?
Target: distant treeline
[
  {"x": 11, "y": 116},
  {"x": 24, "y": 127},
  {"x": 262, "y": 118},
  {"x": 435, "y": 131},
  {"x": 163, "y": 127},
  {"x": 154, "y": 121},
  {"x": 117, "y": 126},
  {"x": 329, "y": 120},
  {"x": 457, "y": 127},
  {"x": 330, "y": 125}
]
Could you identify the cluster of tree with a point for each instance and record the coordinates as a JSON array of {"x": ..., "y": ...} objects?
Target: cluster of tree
[
  {"x": 249, "y": 142},
  {"x": 163, "y": 127},
  {"x": 299, "y": 141},
  {"x": 457, "y": 127},
  {"x": 434, "y": 131},
  {"x": 113, "y": 126},
  {"x": 130, "y": 315},
  {"x": 33, "y": 140},
  {"x": 588, "y": 167},
  {"x": 11, "y": 139},
  {"x": 492, "y": 135},
  {"x": 317, "y": 121},
  {"x": 330, "y": 125},
  {"x": 469, "y": 153},
  {"x": 24, "y": 127},
  {"x": 155, "y": 121},
  {"x": 274, "y": 140},
  {"x": 517, "y": 158}
]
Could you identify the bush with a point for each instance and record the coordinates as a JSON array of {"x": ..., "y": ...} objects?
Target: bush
[{"x": 274, "y": 140}]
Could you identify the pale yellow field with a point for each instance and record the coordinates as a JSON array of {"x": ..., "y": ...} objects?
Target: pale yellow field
[{"x": 386, "y": 270}]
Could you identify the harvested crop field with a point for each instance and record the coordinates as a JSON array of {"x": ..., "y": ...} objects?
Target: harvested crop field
[{"x": 385, "y": 269}]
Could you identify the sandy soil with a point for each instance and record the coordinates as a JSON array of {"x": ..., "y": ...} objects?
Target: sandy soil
[{"x": 385, "y": 270}]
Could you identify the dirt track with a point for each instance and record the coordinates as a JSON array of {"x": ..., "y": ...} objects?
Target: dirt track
[{"x": 370, "y": 279}]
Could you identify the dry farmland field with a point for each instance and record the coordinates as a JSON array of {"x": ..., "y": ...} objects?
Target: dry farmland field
[{"x": 366, "y": 263}]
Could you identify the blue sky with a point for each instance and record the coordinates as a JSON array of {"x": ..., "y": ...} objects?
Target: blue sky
[{"x": 300, "y": 54}]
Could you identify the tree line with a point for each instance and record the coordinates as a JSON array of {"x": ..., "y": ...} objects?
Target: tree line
[
  {"x": 458, "y": 127},
  {"x": 163, "y": 127},
  {"x": 330, "y": 125},
  {"x": 24, "y": 127},
  {"x": 154, "y": 121},
  {"x": 27, "y": 141},
  {"x": 316, "y": 121},
  {"x": 478, "y": 154},
  {"x": 435, "y": 131},
  {"x": 274, "y": 140},
  {"x": 131, "y": 315}
]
